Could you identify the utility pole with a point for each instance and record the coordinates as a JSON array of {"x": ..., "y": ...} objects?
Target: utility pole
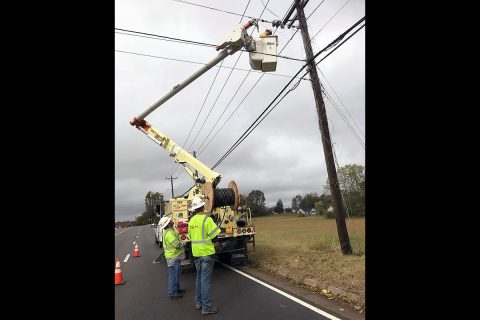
[
  {"x": 325, "y": 133},
  {"x": 171, "y": 182}
]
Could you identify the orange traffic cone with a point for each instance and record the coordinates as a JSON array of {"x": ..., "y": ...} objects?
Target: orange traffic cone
[
  {"x": 136, "y": 253},
  {"x": 118, "y": 273}
]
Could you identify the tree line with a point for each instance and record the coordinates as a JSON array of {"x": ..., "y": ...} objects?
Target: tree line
[{"x": 351, "y": 179}]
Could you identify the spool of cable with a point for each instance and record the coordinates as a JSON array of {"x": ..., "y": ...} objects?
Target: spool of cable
[
  {"x": 215, "y": 198},
  {"x": 223, "y": 197}
]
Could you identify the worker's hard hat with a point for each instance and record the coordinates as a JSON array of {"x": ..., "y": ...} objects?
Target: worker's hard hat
[
  {"x": 196, "y": 203},
  {"x": 163, "y": 222}
]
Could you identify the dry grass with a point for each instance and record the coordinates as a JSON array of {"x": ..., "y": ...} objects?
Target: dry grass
[{"x": 308, "y": 247}]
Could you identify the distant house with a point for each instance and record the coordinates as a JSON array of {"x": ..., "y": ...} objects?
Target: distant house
[
  {"x": 330, "y": 209},
  {"x": 313, "y": 212}
]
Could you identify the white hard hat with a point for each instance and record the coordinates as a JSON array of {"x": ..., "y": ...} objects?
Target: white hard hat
[
  {"x": 196, "y": 203},
  {"x": 163, "y": 222}
]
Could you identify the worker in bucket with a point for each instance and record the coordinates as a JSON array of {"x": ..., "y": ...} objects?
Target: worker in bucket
[
  {"x": 174, "y": 253},
  {"x": 266, "y": 33},
  {"x": 202, "y": 230}
]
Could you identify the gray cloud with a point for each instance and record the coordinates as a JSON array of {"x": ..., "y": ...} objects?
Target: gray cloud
[{"x": 284, "y": 155}]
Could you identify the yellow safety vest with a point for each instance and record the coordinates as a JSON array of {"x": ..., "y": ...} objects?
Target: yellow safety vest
[
  {"x": 170, "y": 242},
  {"x": 202, "y": 230}
]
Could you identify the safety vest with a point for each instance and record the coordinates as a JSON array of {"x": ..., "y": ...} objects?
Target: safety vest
[
  {"x": 202, "y": 230},
  {"x": 170, "y": 241}
]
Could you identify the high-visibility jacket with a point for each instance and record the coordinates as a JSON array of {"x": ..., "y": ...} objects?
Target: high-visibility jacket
[
  {"x": 202, "y": 230},
  {"x": 171, "y": 244}
]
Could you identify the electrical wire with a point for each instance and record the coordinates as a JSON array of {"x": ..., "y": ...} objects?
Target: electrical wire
[
  {"x": 220, "y": 10},
  {"x": 183, "y": 41},
  {"x": 315, "y": 9},
  {"x": 269, "y": 9},
  {"x": 249, "y": 129},
  {"x": 329, "y": 20},
  {"x": 326, "y": 80},
  {"x": 246, "y": 7},
  {"x": 225, "y": 83},
  {"x": 248, "y": 93},
  {"x": 204, "y": 64}
]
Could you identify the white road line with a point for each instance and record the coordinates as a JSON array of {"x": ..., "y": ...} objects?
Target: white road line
[
  {"x": 126, "y": 258},
  {"x": 133, "y": 242},
  {"x": 309, "y": 306},
  {"x": 121, "y": 232}
]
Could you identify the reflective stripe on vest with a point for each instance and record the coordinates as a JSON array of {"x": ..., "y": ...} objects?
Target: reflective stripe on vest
[
  {"x": 167, "y": 248},
  {"x": 203, "y": 241}
]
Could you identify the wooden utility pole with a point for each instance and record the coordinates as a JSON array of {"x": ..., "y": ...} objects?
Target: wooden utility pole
[
  {"x": 325, "y": 133},
  {"x": 171, "y": 182}
]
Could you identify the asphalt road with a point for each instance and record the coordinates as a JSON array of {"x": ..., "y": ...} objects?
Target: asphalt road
[{"x": 240, "y": 293}]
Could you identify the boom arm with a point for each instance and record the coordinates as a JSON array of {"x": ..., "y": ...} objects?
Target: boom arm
[
  {"x": 238, "y": 39},
  {"x": 180, "y": 155},
  {"x": 234, "y": 42}
]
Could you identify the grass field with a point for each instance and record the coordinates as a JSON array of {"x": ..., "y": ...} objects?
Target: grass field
[{"x": 308, "y": 247}]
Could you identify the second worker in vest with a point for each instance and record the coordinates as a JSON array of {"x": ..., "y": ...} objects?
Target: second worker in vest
[
  {"x": 202, "y": 230},
  {"x": 174, "y": 253}
]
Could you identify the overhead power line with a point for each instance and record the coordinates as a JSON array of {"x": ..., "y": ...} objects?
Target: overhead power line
[
  {"x": 184, "y": 41},
  {"x": 201, "y": 63},
  {"x": 285, "y": 18},
  {"x": 246, "y": 7},
  {"x": 269, "y": 9},
  {"x": 226, "y": 81},
  {"x": 224, "y": 11},
  {"x": 258, "y": 120},
  {"x": 330, "y": 19}
]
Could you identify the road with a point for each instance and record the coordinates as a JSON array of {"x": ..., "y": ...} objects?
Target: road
[{"x": 240, "y": 293}]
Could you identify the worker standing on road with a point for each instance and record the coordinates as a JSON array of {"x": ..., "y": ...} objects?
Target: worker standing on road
[
  {"x": 174, "y": 252},
  {"x": 202, "y": 230}
]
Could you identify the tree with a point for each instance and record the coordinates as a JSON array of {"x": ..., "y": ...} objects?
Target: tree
[
  {"x": 243, "y": 200},
  {"x": 308, "y": 201},
  {"x": 351, "y": 178},
  {"x": 296, "y": 202},
  {"x": 279, "y": 207},
  {"x": 151, "y": 201},
  {"x": 256, "y": 202},
  {"x": 142, "y": 219}
]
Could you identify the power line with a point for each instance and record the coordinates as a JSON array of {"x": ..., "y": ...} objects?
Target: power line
[
  {"x": 315, "y": 9},
  {"x": 197, "y": 43},
  {"x": 338, "y": 46},
  {"x": 203, "y": 104},
  {"x": 224, "y": 11},
  {"x": 248, "y": 93},
  {"x": 250, "y": 130},
  {"x": 341, "y": 101},
  {"x": 269, "y": 9},
  {"x": 201, "y": 63},
  {"x": 211, "y": 88},
  {"x": 208, "y": 93},
  {"x": 330, "y": 20},
  {"x": 247, "y": 132},
  {"x": 163, "y": 39},
  {"x": 167, "y": 38},
  {"x": 228, "y": 78},
  {"x": 344, "y": 118},
  {"x": 238, "y": 89}
]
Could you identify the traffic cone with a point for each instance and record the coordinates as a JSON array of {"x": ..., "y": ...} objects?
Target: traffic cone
[
  {"x": 118, "y": 273},
  {"x": 136, "y": 253}
]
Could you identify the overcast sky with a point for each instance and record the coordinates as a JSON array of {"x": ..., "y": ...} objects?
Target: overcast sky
[{"x": 283, "y": 156}]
